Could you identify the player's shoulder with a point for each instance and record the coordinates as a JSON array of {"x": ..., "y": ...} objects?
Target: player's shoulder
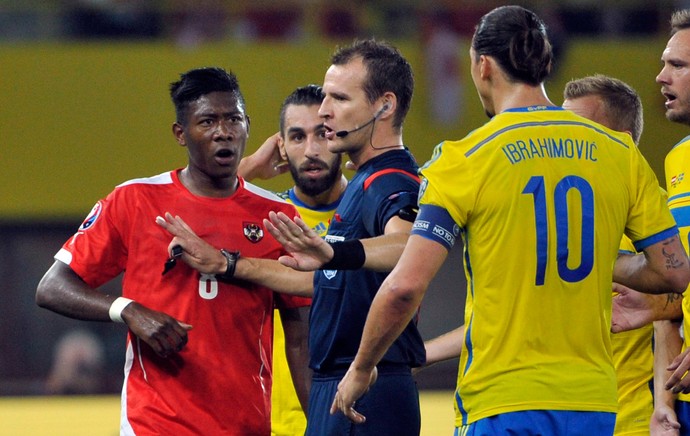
[
  {"x": 683, "y": 144},
  {"x": 160, "y": 179},
  {"x": 264, "y": 195},
  {"x": 144, "y": 186},
  {"x": 285, "y": 195}
]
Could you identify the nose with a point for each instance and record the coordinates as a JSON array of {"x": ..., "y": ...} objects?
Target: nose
[
  {"x": 325, "y": 109},
  {"x": 224, "y": 130},
  {"x": 664, "y": 76},
  {"x": 313, "y": 146}
]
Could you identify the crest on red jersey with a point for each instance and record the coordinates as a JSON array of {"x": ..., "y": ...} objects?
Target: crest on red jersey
[{"x": 253, "y": 232}]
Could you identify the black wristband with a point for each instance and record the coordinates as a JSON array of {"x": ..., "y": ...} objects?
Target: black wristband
[
  {"x": 346, "y": 255},
  {"x": 231, "y": 257}
]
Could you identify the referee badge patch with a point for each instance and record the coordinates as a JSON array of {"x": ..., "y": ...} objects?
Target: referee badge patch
[{"x": 253, "y": 232}]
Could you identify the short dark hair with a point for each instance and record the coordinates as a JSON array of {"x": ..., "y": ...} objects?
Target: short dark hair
[
  {"x": 387, "y": 71},
  {"x": 621, "y": 100},
  {"x": 303, "y": 96},
  {"x": 680, "y": 20},
  {"x": 516, "y": 37},
  {"x": 199, "y": 82}
]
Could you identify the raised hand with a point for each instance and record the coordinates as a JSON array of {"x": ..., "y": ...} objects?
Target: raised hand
[
  {"x": 197, "y": 253},
  {"x": 308, "y": 251},
  {"x": 266, "y": 162}
]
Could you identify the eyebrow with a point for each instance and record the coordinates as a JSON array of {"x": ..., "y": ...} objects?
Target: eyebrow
[
  {"x": 295, "y": 130},
  {"x": 303, "y": 130}
]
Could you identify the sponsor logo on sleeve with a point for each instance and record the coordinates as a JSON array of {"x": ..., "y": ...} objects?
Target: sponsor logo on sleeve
[
  {"x": 677, "y": 179},
  {"x": 92, "y": 217}
]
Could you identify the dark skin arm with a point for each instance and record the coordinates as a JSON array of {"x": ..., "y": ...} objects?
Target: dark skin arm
[
  {"x": 62, "y": 291},
  {"x": 296, "y": 328}
]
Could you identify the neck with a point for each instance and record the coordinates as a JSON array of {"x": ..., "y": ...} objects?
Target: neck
[
  {"x": 204, "y": 186},
  {"x": 328, "y": 196},
  {"x": 375, "y": 147},
  {"x": 520, "y": 95}
]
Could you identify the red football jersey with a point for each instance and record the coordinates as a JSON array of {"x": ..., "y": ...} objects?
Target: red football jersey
[{"x": 221, "y": 382}]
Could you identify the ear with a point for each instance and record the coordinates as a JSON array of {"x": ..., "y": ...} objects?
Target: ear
[
  {"x": 248, "y": 123},
  {"x": 281, "y": 148},
  {"x": 485, "y": 67},
  {"x": 389, "y": 105},
  {"x": 178, "y": 133}
]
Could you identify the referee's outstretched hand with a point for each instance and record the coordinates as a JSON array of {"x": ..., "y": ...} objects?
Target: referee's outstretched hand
[{"x": 308, "y": 251}]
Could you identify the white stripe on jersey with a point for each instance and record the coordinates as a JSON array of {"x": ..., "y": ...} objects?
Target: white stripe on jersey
[
  {"x": 261, "y": 192},
  {"x": 161, "y": 179}
]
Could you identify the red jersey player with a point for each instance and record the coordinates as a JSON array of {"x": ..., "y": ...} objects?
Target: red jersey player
[{"x": 199, "y": 349}]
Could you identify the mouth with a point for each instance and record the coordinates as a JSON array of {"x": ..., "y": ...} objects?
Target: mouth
[
  {"x": 329, "y": 133},
  {"x": 670, "y": 97},
  {"x": 225, "y": 156},
  {"x": 313, "y": 169}
]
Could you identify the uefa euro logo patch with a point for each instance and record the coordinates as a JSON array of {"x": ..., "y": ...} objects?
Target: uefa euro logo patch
[
  {"x": 677, "y": 179},
  {"x": 253, "y": 232},
  {"x": 91, "y": 217}
]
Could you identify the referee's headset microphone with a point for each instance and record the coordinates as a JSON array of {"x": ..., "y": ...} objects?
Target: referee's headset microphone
[{"x": 344, "y": 133}]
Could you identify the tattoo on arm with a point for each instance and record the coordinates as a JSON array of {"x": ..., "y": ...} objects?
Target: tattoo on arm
[
  {"x": 672, "y": 262},
  {"x": 671, "y": 298}
]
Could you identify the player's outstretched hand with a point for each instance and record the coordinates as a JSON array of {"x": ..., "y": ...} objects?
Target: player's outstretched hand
[
  {"x": 197, "y": 253},
  {"x": 631, "y": 309},
  {"x": 308, "y": 251},
  {"x": 163, "y": 333}
]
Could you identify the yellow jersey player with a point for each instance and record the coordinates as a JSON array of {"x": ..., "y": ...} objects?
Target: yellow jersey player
[
  {"x": 319, "y": 185},
  {"x": 541, "y": 198}
]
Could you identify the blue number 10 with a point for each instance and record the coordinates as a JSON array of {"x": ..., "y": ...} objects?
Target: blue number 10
[{"x": 536, "y": 188}]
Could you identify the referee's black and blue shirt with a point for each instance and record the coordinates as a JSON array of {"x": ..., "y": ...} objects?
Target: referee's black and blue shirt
[{"x": 382, "y": 187}]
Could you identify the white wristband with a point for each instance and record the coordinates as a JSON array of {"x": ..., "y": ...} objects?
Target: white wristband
[{"x": 117, "y": 307}]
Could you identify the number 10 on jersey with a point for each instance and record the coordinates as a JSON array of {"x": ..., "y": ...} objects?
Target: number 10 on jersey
[{"x": 558, "y": 202}]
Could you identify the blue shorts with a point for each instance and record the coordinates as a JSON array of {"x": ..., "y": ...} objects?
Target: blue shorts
[
  {"x": 391, "y": 406},
  {"x": 542, "y": 422},
  {"x": 683, "y": 414}
]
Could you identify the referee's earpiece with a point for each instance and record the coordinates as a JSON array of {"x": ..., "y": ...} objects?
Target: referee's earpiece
[{"x": 382, "y": 110}]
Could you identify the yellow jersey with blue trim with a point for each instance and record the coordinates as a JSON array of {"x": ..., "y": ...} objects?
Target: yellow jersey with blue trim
[
  {"x": 541, "y": 198},
  {"x": 287, "y": 416},
  {"x": 677, "y": 162},
  {"x": 633, "y": 359}
]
